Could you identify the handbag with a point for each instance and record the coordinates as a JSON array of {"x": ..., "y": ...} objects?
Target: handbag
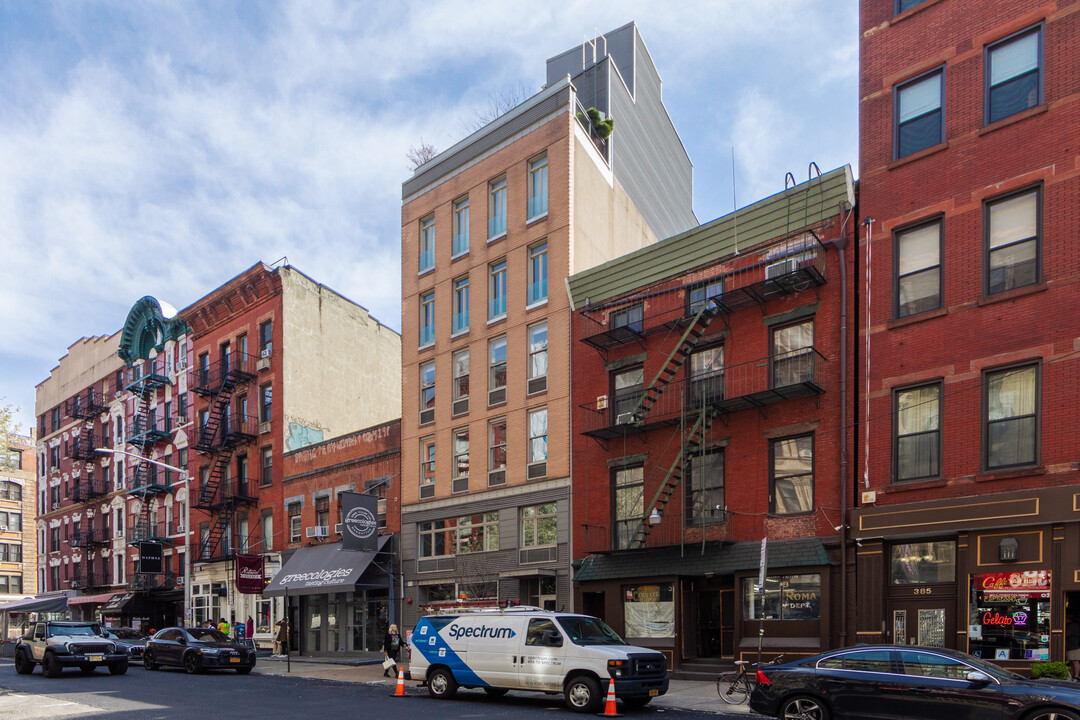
[{"x": 388, "y": 663}]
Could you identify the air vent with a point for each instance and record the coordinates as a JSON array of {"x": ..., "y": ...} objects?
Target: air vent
[
  {"x": 460, "y": 406},
  {"x": 537, "y": 385},
  {"x": 496, "y": 477},
  {"x": 427, "y": 416},
  {"x": 262, "y": 364},
  {"x": 461, "y": 484},
  {"x": 427, "y": 491},
  {"x": 537, "y": 470},
  {"x": 497, "y": 397}
]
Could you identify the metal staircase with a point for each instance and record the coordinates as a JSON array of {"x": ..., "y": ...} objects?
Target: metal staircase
[
  {"x": 689, "y": 340},
  {"x": 691, "y": 444}
]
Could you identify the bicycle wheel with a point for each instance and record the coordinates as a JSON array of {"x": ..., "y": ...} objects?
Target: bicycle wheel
[{"x": 732, "y": 687}]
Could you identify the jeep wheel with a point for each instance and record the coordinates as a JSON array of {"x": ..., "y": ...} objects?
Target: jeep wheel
[
  {"x": 23, "y": 664},
  {"x": 192, "y": 666},
  {"x": 119, "y": 667},
  {"x": 50, "y": 666},
  {"x": 583, "y": 694},
  {"x": 441, "y": 684}
]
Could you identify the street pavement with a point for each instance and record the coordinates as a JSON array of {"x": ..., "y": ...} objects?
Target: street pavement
[{"x": 299, "y": 689}]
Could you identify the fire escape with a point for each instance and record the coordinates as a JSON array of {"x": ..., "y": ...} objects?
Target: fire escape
[
  {"x": 220, "y": 432},
  {"x": 146, "y": 431},
  {"x": 693, "y": 404}
]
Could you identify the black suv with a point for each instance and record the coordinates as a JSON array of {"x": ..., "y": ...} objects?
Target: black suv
[{"x": 57, "y": 645}]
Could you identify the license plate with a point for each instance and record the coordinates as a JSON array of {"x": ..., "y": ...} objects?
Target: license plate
[
  {"x": 654, "y": 693},
  {"x": 235, "y": 660},
  {"x": 95, "y": 658}
]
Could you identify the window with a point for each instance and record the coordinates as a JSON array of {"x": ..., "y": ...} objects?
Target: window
[
  {"x": 322, "y": 511},
  {"x": 11, "y": 520},
  {"x": 497, "y": 290},
  {"x": 902, "y": 5},
  {"x": 631, "y": 318},
  {"x": 497, "y": 452},
  {"x": 793, "y": 354},
  {"x": 181, "y": 408},
  {"x": 13, "y": 460},
  {"x": 266, "y": 403},
  {"x": 697, "y": 296},
  {"x": 54, "y": 458},
  {"x": 917, "y": 445},
  {"x": 460, "y": 467},
  {"x": 267, "y": 477},
  {"x": 461, "y": 305},
  {"x": 54, "y": 540},
  {"x": 791, "y": 475},
  {"x": 461, "y": 383},
  {"x": 427, "y": 467},
  {"x": 1011, "y": 417},
  {"x": 649, "y": 610},
  {"x": 242, "y": 347},
  {"x": 427, "y": 393},
  {"x": 538, "y": 187},
  {"x": 436, "y": 538},
  {"x": 267, "y": 529},
  {"x": 785, "y": 597},
  {"x": 242, "y": 544},
  {"x": 427, "y": 244},
  {"x": 1014, "y": 74},
  {"x": 266, "y": 338},
  {"x": 626, "y": 387},
  {"x": 919, "y": 563},
  {"x": 538, "y": 445},
  {"x": 705, "y": 489},
  {"x": 377, "y": 487},
  {"x": 628, "y": 506},
  {"x": 478, "y": 533},
  {"x": 10, "y": 491},
  {"x": 242, "y": 476},
  {"x": 55, "y": 419},
  {"x": 497, "y": 208},
  {"x": 931, "y": 665},
  {"x": 539, "y": 525},
  {"x": 427, "y": 318},
  {"x": 538, "y": 358},
  {"x": 1008, "y": 622},
  {"x": 461, "y": 227},
  {"x": 1013, "y": 229},
  {"x": 294, "y": 522},
  {"x": 497, "y": 371},
  {"x": 538, "y": 628},
  {"x": 538, "y": 273},
  {"x": 707, "y": 376},
  {"x": 918, "y": 269},
  {"x": 917, "y": 109}
]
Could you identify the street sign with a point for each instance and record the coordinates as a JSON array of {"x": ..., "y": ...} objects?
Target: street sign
[{"x": 761, "y": 568}]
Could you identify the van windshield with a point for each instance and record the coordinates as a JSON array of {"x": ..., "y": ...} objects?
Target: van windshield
[{"x": 584, "y": 630}]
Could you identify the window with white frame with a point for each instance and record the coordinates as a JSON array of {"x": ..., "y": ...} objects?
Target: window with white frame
[
  {"x": 461, "y": 227},
  {"x": 538, "y": 273},
  {"x": 294, "y": 522},
  {"x": 538, "y": 445},
  {"x": 427, "y": 318},
  {"x": 538, "y": 187},
  {"x": 538, "y": 358},
  {"x": 436, "y": 538},
  {"x": 427, "y": 244},
  {"x": 461, "y": 305},
  {"x": 497, "y": 289},
  {"x": 497, "y": 452},
  {"x": 497, "y": 208},
  {"x": 477, "y": 533},
  {"x": 461, "y": 382}
]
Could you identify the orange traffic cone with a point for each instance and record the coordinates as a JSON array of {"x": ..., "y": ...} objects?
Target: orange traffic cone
[
  {"x": 399, "y": 691},
  {"x": 609, "y": 706}
]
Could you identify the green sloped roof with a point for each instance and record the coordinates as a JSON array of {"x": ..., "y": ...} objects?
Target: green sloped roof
[
  {"x": 714, "y": 557},
  {"x": 805, "y": 204}
]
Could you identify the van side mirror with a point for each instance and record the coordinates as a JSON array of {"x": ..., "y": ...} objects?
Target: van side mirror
[{"x": 552, "y": 638}]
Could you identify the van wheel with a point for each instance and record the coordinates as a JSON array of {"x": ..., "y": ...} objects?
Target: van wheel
[
  {"x": 583, "y": 694},
  {"x": 441, "y": 684},
  {"x": 495, "y": 692}
]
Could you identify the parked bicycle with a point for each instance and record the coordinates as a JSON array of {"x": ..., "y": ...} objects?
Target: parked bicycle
[{"x": 734, "y": 688}]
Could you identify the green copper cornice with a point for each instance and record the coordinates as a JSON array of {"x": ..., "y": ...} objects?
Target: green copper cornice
[{"x": 146, "y": 329}]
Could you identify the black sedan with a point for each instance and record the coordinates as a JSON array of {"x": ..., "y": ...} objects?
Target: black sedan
[
  {"x": 197, "y": 650},
  {"x": 134, "y": 641},
  {"x": 893, "y": 682}
]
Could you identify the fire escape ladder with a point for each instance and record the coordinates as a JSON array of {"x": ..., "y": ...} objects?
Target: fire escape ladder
[
  {"x": 209, "y": 434},
  {"x": 208, "y": 493},
  {"x": 210, "y": 547},
  {"x": 690, "y": 445},
  {"x": 675, "y": 360}
]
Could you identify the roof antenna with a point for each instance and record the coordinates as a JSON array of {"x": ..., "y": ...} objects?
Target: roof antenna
[{"x": 734, "y": 204}]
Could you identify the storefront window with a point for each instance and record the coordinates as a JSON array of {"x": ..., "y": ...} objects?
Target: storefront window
[
  {"x": 649, "y": 610},
  {"x": 262, "y": 612},
  {"x": 786, "y": 597},
  {"x": 1009, "y": 617},
  {"x": 923, "y": 562}
]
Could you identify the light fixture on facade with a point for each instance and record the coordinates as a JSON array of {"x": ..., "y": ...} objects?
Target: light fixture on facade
[
  {"x": 654, "y": 517},
  {"x": 1008, "y": 550}
]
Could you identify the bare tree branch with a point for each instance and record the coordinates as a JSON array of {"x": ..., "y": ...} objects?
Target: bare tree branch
[
  {"x": 499, "y": 103},
  {"x": 421, "y": 154}
]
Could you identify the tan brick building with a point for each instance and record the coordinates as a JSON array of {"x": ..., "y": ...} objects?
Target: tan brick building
[
  {"x": 18, "y": 546},
  {"x": 490, "y": 228}
]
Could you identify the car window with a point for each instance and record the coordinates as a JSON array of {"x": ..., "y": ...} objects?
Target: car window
[
  {"x": 73, "y": 630},
  {"x": 869, "y": 661},
  {"x": 169, "y": 635},
  {"x": 930, "y": 665},
  {"x": 537, "y": 627},
  {"x": 207, "y": 635},
  {"x": 836, "y": 662}
]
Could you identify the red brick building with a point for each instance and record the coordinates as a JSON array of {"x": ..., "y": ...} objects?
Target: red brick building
[
  {"x": 708, "y": 410},
  {"x": 970, "y": 183}
]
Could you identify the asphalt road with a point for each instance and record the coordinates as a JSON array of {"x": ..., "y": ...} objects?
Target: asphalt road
[{"x": 143, "y": 695}]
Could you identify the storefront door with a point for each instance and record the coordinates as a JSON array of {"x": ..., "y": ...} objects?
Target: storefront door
[{"x": 930, "y": 622}]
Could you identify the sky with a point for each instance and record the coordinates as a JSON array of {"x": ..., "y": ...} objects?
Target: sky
[{"x": 160, "y": 148}]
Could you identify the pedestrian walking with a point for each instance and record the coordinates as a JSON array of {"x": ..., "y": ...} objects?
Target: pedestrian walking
[
  {"x": 281, "y": 637},
  {"x": 1072, "y": 646},
  {"x": 223, "y": 626},
  {"x": 393, "y": 644}
]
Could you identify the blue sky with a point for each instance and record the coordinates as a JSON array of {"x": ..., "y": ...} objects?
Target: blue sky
[{"x": 159, "y": 148}]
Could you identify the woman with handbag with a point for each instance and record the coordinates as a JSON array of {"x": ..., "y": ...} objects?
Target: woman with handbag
[{"x": 392, "y": 646}]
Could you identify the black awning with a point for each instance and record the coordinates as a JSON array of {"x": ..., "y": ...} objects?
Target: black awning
[
  {"x": 118, "y": 604},
  {"x": 57, "y": 603},
  {"x": 322, "y": 569}
]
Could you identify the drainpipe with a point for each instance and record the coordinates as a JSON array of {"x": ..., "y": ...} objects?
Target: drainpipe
[{"x": 841, "y": 243}]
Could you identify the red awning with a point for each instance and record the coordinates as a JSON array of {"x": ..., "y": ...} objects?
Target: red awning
[{"x": 90, "y": 599}]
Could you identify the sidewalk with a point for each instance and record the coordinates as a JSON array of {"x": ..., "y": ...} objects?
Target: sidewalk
[{"x": 681, "y": 694}]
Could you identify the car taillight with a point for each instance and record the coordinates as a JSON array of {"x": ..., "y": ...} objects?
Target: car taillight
[{"x": 762, "y": 679}]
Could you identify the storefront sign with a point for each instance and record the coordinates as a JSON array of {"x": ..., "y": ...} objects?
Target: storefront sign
[
  {"x": 250, "y": 574},
  {"x": 150, "y": 558},
  {"x": 359, "y": 515},
  {"x": 1027, "y": 584}
]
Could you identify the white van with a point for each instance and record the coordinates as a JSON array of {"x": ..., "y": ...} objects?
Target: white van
[{"x": 523, "y": 648}]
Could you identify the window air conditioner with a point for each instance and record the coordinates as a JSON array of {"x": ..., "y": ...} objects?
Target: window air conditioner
[
  {"x": 309, "y": 532},
  {"x": 3, "y": 528},
  {"x": 322, "y": 531},
  {"x": 783, "y": 267},
  {"x": 264, "y": 353},
  {"x": 56, "y": 506},
  {"x": 626, "y": 418}
]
